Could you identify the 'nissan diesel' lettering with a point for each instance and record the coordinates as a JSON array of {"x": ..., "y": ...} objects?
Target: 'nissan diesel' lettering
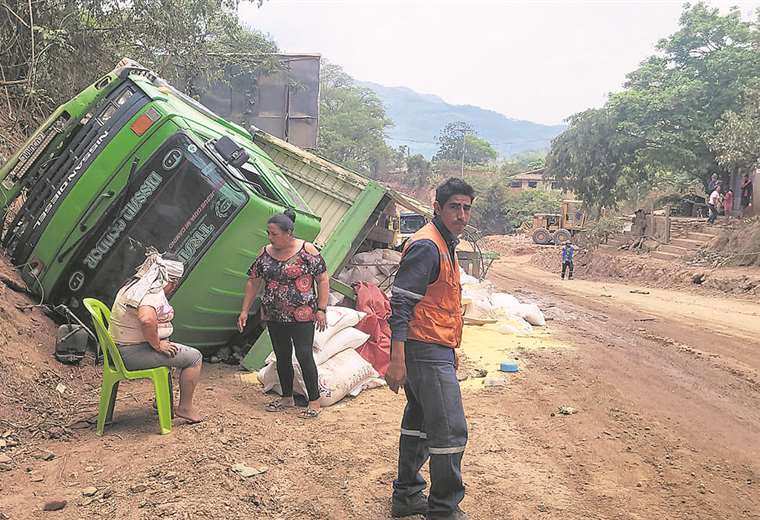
[{"x": 74, "y": 173}]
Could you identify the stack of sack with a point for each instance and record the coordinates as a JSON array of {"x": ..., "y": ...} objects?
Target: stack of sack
[
  {"x": 342, "y": 371},
  {"x": 482, "y": 302},
  {"x": 375, "y": 267}
]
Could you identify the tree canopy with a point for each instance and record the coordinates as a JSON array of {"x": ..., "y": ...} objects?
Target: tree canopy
[
  {"x": 352, "y": 122},
  {"x": 457, "y": 140},
  {"x": 185, "y": 41},
  {"x": 666, "y": 120}
]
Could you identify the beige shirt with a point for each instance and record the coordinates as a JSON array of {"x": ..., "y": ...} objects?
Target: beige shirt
[{"x": 125, "y": 326}]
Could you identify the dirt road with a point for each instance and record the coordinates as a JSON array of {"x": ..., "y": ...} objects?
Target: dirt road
[{"x": 665, "y": 386}]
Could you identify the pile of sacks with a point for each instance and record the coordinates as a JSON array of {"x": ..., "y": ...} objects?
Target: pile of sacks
[
  {"x": 342, "y": 371},
  {"x": 482, "y": 302},
  {"x": 375, "y": 267}
]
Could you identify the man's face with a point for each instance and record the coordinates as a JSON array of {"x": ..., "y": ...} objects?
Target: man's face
[{"x": 455, "y": 213}]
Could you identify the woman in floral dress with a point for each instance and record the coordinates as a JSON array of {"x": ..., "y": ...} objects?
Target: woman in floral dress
[{"x": 290, "y": 269}]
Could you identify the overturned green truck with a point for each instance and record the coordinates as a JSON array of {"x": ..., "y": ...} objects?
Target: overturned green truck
[{"x": 132, "y": 163}]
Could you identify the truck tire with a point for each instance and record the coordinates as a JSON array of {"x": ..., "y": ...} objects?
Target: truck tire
[
  {"x": 542, "y": 236},
  {"x": 561, "y": 236}
]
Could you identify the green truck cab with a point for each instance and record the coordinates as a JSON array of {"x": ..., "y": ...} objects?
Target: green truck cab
[{"x": 131, "y": 163}]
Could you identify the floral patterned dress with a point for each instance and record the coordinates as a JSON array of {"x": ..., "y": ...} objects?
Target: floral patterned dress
[{"x": 289, "y": 293}]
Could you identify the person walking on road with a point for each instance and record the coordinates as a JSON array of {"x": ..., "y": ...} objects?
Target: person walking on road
[
  {"x": 426, "y": 328},
  {"x": 712, "y": 204},
  {"x": 567, "y": 260}
]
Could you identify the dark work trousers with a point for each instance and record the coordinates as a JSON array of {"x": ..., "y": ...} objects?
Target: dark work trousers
[
  {"x": 567, "y": 264},
  {"x": 298, "y": 335},
  {"x": 433, "y": 427},
  {"x": 713, "y": 213}
]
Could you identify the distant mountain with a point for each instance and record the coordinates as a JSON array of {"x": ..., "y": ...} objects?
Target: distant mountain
[{"x": 420, "y": 117}]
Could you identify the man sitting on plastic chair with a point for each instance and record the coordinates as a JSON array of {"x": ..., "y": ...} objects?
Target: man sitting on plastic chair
[{"x": 141, "y": 324}]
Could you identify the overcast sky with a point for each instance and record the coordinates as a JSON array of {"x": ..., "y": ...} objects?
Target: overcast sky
[{"x": 535, "y": 60}]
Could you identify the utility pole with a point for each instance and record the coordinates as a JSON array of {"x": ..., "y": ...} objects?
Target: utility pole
[{"x": 464, "y": 144}]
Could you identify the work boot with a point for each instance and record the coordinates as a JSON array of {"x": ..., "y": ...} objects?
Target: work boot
[
  {"x": 413, "y": 505},
  {"x": 454, "y": 515}
]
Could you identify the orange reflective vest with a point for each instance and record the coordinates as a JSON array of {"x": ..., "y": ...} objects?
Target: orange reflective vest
[{"x": 437, "y": 318}]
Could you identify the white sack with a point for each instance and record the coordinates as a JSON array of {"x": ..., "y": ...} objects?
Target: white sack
[
  {"x": 369, "y": 258},
  {"x": 532, "y": 314},
  {"x": 515, "y": 325},
  {"x": 338, "y": 318},
  {"x": 506, "y": 301},
  {"x": 391, "y": 256},
  {"x": 345, "y": 373},
  {"x": 349, "y": 338},
  {"x": 480, "y": 309},
  {"x": 466, "y": 279}
]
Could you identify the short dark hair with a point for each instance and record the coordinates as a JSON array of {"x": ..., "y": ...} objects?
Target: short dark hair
[
  {"x": 285, "y": 220},
  {"x": 453, "y": 186}
]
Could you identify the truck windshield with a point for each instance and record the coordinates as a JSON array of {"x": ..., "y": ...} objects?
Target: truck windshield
[{"x": 179, "y": 201}]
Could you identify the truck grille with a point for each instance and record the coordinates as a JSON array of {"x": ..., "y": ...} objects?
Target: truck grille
[{"x": 48, "y": 182}]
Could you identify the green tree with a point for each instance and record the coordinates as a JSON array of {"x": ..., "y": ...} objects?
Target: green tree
[
  {"x": 458, "y": 140},
  {"x": 489, "y": 213},
  {"x": 737, "y": 141},
  {"x": 592, "y": 156},
  {"x": 524, "y": 161},
  {"x": 352, "y": 123},
  {"x": 419, "y": 171},
  {"x": 187, "y": 42},
  {"x": 673, "y": 101},
  {"x": 665, "y": 121},
  {"x": 499, "y": 211},
  {"x": 520, "y": 207}
]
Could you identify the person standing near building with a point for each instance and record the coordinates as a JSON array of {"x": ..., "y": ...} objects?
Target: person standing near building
[
  {"x": 567, "y": 259},
  {"x": 426, "y": 328},
  {"x": 746, "y": 195},
  {"x": 728, "y": 203},
  {"x": 712, "y": 183},
  {"x": 712, "y": 204}
]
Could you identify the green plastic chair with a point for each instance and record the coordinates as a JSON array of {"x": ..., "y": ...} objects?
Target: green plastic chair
[{"x": 114, "y": 372}]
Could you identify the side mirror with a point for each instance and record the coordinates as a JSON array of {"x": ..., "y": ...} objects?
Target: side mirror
[{"x": 231, "y": 152}]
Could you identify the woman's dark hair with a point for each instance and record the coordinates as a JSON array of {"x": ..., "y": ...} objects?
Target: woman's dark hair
[
  {"x": 453, "y": 186},
  {"x": 285, "y": 220}
]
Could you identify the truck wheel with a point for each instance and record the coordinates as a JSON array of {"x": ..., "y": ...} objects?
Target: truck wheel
[
  {"x": 561, "y": 236},
  {"x": 542, "y": 236}
]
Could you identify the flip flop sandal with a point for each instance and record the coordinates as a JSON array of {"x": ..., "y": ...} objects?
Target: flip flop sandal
[
  {"x": 188, "y": 420},
  {"x": 309, "y": 413},
  {"x": 276, "y": 406}
]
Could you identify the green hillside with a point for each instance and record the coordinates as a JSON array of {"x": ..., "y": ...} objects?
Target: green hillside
[{"x": 419, "y": 118}]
